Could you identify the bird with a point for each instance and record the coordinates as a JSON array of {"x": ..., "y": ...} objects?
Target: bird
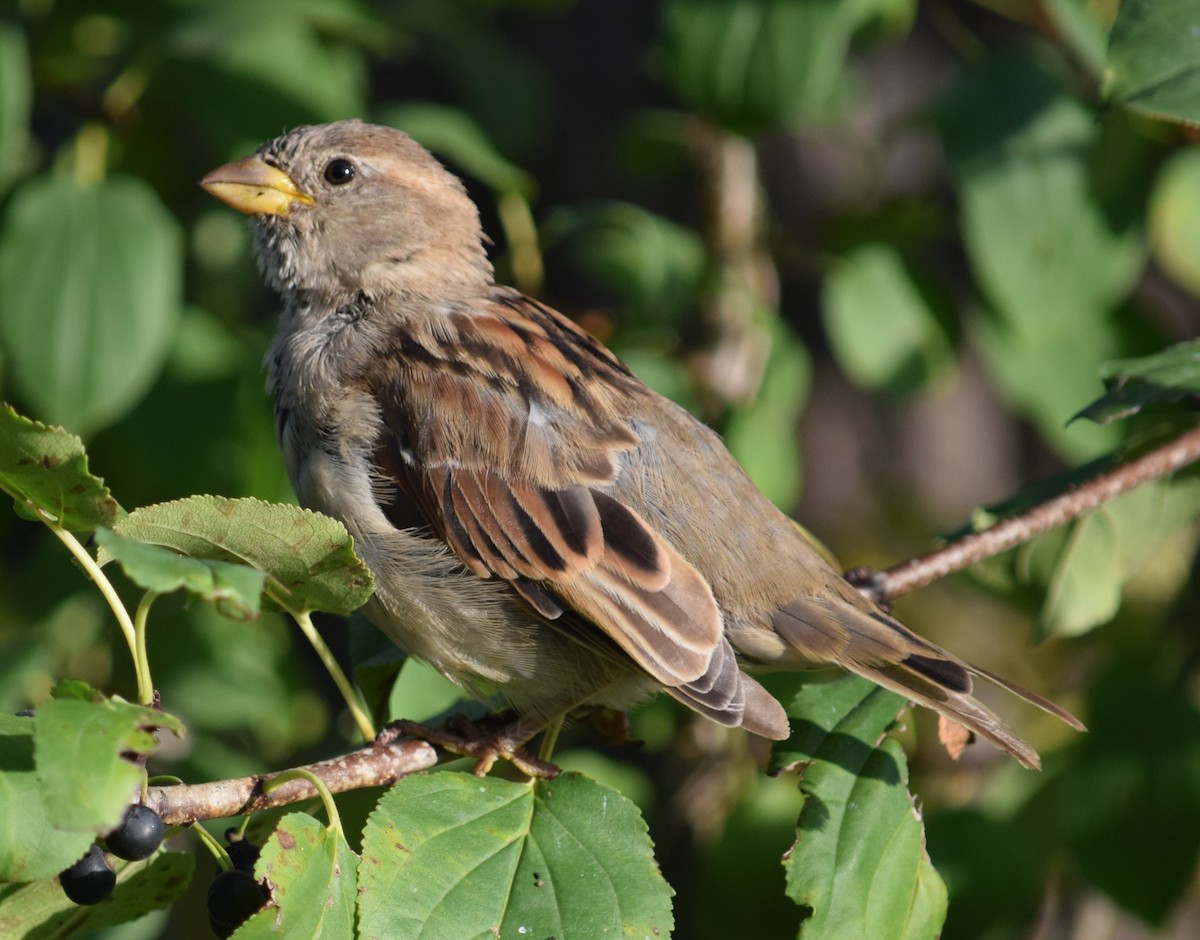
[{"x": 543, "y": 528}]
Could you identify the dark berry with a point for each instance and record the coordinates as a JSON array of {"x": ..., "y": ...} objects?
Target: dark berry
[
  {"x": 90, "y": 880},
  {"x": 243, "y": 854},
  {"x": 140, "y": 833},
  {"x": 232, "y": 897}
]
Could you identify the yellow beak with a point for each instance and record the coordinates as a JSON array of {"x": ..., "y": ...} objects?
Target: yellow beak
[{"x": 254, "y": 187}]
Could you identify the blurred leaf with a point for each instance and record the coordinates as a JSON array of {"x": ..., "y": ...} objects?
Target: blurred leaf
[
  {"x": 49, "y": 467},
  {"x": 859, "y": 862},
  {"x": 312, "y": 874},
  {"x": 772, "y": 417},
  {"x": 234, "y": 589},
  {"x": 32, "y": 847},
  {"x": 1085, "y": 565},
  {"x": 453, "y": 855},
  {"x": 653, "y": 265},
  {"x": 1128, "y": 802},
  {"x": 754, "y": 65},
  {"x": 40, "y": 911},
  {"x": 880, "y": 327},
  {"x": 283, "y": 47},
  {"x": 90, "y": 284},
  {"x": 85, "y": 753},
  {"x": 1080, "y": 24},
  {"x": 452, "y": 133},
  {"x": 1170, "y": 376},
  {"x": 308, "y": 558},
  {"x": 1152, "y": 61},
  {"x": 16, "y": 98},
  {"x": 1175, "y": 218},
  {"x": 420, "y": 692},
  {"x": 1044, "y": 252}
]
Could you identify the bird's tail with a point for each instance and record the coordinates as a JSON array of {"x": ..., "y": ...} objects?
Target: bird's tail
[{"x": 880, "y": 648}]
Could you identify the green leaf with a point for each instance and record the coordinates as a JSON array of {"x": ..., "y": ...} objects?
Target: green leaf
[
  {"x": 285, "y": 53},
  {"x": 90, "y": 286},
  {"x": 1166, "y": 377},
  {"x": 16, "y": 97},
  {"x": 653, "y": 265},
  {"x": 32, "y": 848},
  {"x": 1152, "y": 61},
  {"x": 883, "y": 332},
  {"x": 85, "y": 752},
  {"x": 1044, "y": 251},
  {"x": 772, "y": 417},
  {"x": 49, "y": 467},
  {"x": 311, "y": 872},
  {"x": 235, "y": 589},
  {"x": 1085, "y": 565},
  {"x": 308, "y": 558},
  {"x": 754, "y": 65},
  {"x": 1175, "y": 218},
  {"x": 40, "y": 911},
  {"x": 453, "y": 855},
  {"x": 452, "y": 133},
  {"x": 859, "y": 862}
]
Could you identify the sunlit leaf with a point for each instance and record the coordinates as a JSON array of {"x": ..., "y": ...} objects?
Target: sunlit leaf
[
  {"x": 307, "y": 557},
  {"x": 1152, "y": 58},
  {"x": 859, "y": 863},
  {"x": 49, "y": 468},
  {"x": 453, "y": 855}
]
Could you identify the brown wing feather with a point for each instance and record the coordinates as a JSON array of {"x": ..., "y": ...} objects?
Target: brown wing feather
[{"x": 524, "y": 502}]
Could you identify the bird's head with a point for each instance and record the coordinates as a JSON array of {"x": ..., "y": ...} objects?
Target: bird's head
[{"x": 352, "y": 207}]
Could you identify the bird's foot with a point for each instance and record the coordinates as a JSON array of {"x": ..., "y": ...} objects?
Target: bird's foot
[{"x": 487, "y": 741}]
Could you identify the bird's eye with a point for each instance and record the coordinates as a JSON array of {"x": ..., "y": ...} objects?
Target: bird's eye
[{"x": 339, "y": 171}]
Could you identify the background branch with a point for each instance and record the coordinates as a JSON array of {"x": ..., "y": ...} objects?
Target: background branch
[{"x": 1008, "y": 533}]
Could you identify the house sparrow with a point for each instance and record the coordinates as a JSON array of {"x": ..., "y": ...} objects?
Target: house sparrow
[{"x": 542, "y": 527}]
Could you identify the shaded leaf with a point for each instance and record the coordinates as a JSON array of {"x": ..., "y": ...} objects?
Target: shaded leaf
[
  {"x": 453, "y": 855},
  {"x": 49, "y": 467},
  {"x": 84, "y": 752},
  {"x": 40, "y": 911},
  {"x": 1154, "y": 58},
  {"x": 90, "y": 285},
  {"x": 654, "y": 266},
  {"x": 859, "y": 862},
  {"x": 16, "y": 96},
  {"x": 1170, "y": 376},
  {"x": 235, "y": 589},
  {"x": 311, "y": 871},
  {"x": 308, "y": 558},
  {"x": 754, "y": 65}
]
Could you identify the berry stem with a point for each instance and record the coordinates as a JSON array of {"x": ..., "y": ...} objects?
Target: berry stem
[
  {"x": 93, "y": 571},
  {"x": 365, "y": 727}
]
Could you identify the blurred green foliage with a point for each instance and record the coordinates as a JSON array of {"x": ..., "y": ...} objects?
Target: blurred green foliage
[{"x": 951, "y": 216}]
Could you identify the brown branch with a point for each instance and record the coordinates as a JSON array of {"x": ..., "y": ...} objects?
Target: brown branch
[
  {"x": 1009, "y": 533},
  {"x": 372, "y": 766}
]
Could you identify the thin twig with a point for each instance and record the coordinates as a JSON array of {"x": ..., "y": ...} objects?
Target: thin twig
[
  {"x": 1009, "y": 533},
  {"x": 371, "y": 766}
]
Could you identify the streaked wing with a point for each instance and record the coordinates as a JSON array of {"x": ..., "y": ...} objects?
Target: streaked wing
[{"x": 526, "y": 500}]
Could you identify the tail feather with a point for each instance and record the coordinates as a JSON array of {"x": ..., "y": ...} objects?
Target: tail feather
[{"x": 880, "y": 648}]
